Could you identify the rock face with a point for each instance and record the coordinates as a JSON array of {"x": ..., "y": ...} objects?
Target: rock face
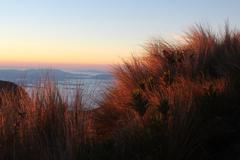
[{"x": 14, "y": 100}]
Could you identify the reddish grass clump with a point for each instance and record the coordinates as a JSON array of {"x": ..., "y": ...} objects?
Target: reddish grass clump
[{"x": 186, "y": 92}]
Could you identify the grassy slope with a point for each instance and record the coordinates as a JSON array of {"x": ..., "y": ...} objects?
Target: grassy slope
[{"x": 175, "y": 102}]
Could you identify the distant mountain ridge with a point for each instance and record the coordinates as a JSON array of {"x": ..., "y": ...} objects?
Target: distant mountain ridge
[{"x": 33, "y": 75}]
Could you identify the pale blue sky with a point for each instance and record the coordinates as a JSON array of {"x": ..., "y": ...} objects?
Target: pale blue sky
[{"x": 98, "y": 31}]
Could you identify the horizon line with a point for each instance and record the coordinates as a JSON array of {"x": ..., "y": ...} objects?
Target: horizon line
[{"x": 57, "y": 65}]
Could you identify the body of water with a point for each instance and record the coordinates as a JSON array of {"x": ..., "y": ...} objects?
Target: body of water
[{"x": 92, "y": 83}]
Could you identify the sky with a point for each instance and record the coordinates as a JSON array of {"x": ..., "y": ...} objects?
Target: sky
[{"x": 98, "y": 32}]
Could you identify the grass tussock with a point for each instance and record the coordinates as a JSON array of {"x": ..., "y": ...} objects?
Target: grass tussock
[
  {"x": 176, "y": 102},
  {"x": 48, "y": 129}
]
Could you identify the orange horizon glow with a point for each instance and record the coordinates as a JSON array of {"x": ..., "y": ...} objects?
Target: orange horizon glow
[{"x": 36, "y": 52}]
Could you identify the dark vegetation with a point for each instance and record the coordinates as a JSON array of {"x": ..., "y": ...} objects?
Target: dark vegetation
[{"x": 176, "y": 102}]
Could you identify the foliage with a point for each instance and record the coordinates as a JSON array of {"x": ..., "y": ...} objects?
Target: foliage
[{"x": 175, "y": 102}]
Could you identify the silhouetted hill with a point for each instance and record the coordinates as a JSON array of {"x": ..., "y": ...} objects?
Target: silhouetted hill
[{"x": 31, "y": 75}]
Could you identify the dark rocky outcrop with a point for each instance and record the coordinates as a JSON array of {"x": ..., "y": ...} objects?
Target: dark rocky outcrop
[{"x": 15, "y": 102}]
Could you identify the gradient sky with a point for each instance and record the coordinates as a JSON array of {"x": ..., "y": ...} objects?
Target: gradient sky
[{"x": 72, "y": 32}]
